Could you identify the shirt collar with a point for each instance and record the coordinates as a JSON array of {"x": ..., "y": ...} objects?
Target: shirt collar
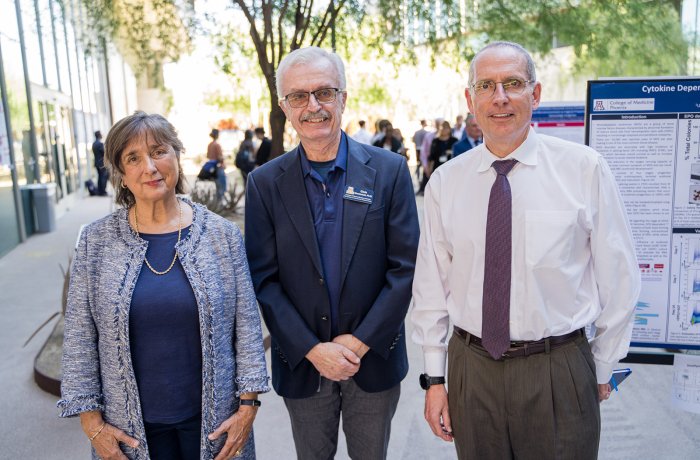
[
  {"x": 341, "y": 158},
  {"x": 526, "y": 153}
]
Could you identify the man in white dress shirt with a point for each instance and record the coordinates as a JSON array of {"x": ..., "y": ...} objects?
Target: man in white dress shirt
[
  {"x": 362, "y": 135},
  {"x": 520, "y": 261}
]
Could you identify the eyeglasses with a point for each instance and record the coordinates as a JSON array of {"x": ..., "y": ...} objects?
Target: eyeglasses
[
  {"x": 512, "y": 86},
  {"x": 301, "y": 99}
]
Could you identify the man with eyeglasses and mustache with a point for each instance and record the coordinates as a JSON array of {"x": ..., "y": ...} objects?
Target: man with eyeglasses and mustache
[
  {"x": 331, "y": 235},
  {"x": 525, "y": 242}
]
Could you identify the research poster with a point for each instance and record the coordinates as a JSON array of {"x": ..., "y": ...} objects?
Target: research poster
[
  {"x": 564, "y": 120},
  {"x": 649, "y": 132}
]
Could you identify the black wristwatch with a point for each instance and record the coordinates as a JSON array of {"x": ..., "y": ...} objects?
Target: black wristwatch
[
  {"x": 427, "y": 381},
  {"x": 250, "y": 402}
]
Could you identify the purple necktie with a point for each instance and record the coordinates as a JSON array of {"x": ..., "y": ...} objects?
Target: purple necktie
[{"x": 495, "y": 329}]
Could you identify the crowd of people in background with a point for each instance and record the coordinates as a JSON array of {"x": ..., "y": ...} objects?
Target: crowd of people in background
[
  {"x": 253, "y": 151},
  {"x": 433, "y": 148}
]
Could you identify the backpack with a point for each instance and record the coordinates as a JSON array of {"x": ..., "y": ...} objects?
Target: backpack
[
  {"x": 208, "y": 171},
  {"x": 243, "y": 161},
  {"x": 90, "y": 186}
]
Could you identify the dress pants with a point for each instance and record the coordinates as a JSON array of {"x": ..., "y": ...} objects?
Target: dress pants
[
  {"x": 102, "y": 179},
  {"x": 542, "y": 406},
  {"x": 366, "y": 421},
  {"x": 174, "y": 441},
  {"x": 221, "y": 185}
]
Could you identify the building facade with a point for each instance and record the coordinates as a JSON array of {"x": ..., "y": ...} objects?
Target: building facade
[{"x": 55, "y": 95}]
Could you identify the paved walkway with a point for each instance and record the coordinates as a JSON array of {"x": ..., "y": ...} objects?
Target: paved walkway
[{"x": 638, "y": 422}]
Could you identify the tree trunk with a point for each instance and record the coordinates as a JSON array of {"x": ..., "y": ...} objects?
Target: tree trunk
[{"x": 277, "y": 121}]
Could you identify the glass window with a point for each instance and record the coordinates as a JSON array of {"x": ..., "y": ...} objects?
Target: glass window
[
  {"x": 82, "y": 144},
  {"x": 82, "y": 73},
  {"x": 62, "y": 47},
  {"x": 65, "y": 129},
  {"x": 16, "y": 93},
  {"x": 48, "y": 40},
  {"x": 8, "y": 218},
  {"x": 31, "y": 41},
  {"x": 73, "y": 63},
  {"x": 43, "y": 143},
  {"x": 90, "y": 80},
  {"x": 117, "y": 85}
]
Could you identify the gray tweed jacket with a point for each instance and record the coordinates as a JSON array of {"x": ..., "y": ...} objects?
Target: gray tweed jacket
[{"x": 97, "y": 368}]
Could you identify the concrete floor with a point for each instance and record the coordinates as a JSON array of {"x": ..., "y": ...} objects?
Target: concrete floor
[{"x": 638, "y": 422}]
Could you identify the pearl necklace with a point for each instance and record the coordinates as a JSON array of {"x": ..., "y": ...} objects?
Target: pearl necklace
[{"x": 179, "y": 233}]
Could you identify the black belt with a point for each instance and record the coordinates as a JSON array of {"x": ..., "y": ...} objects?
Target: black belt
[{"x": 524, "y": 347}]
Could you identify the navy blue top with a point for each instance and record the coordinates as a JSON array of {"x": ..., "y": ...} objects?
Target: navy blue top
[
  {"x": 325, "y": 197},
  {"x": 463, "y": 145},
  {"x": 166, "y": 348}
]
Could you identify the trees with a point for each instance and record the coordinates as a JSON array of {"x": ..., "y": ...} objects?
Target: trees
[
  {"x": 149, "y": 33},
  {"x": 609, "y": 37}
]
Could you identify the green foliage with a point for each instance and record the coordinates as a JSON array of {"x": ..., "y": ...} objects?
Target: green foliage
[
  {"x": 609, "y": 37},
  {"x": 230, "y": 104},
  {"x": 19, "y": 111},
  {"x": 151, "y": 33}
]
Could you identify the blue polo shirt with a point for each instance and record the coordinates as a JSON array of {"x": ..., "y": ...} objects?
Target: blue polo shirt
[{"x": 325, "y": 186}]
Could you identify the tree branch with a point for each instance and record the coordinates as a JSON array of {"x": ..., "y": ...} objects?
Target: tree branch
[
  {"x": 260, "y": 45},
  {"x": 280, "y": 35},
  {"x": 323, "y": 29},
  {"x": 305, "y": 23}
]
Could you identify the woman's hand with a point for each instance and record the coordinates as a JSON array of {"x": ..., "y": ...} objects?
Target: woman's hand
[
  {"x": 105, "y": 437},
  {"x": 237, "y": 427}
]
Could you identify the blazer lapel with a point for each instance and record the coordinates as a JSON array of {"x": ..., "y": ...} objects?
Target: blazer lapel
[
  {"x": 290, "y": 186},
  {"x": 359, "y": 175}
]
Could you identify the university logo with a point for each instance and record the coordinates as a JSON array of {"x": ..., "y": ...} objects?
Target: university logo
[{"x": 598, "y": 105}]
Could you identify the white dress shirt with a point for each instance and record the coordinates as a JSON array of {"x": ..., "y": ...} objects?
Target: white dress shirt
[
  {"x": 363, "y": 136},
  {"x": 573, "y": 259}
]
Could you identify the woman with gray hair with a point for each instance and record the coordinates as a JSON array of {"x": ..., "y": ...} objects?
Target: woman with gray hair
[{"x": 163, "y": 355}]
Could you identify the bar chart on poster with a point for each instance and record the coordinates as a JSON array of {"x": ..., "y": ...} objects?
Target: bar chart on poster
[{"x": 648, "y": 130}]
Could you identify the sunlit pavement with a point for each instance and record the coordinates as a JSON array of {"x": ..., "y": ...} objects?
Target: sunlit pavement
[{"x": 638, "y": 422}]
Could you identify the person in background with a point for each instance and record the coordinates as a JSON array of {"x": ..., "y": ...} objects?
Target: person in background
[
  {"x": 98, "y": 150},
  {"x": 418, "y": 143},
  {"x": 425, "y": 153},
  {"x": 398, "y": 135},
  {"x": 388, "y": 141},
  {"x": 214, "y": 152},
  {"x": 362, "y": 135},
  {"x": 471, "y": 138},
  {"x": 262, "y": 156},
  {"x": 163, "y": 355},
  {"x": 380, "y": 130},
  {"x": 441, "y": 148},
  {"x": 458, "y": 128},
  {"x": 525, "y": 242},
  {"x": 331, "y": 252},
  {"x": 245, "y": 158}
]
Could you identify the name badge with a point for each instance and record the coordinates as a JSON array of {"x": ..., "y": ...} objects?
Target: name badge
[{"x": 360, "y": 195}]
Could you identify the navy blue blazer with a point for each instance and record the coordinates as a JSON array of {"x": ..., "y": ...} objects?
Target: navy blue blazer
[{"x": 379, "y": 246}]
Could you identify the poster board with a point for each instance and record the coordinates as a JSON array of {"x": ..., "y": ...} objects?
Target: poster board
[
  {"x": 648, "y": 130},
  {"x": 564, "y": 120}
]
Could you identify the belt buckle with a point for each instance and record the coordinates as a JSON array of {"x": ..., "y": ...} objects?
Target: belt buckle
[{"x": 507, "y": 354}]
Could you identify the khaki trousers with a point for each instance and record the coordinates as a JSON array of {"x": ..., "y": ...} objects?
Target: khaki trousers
[{"x": 539, "y": 407}]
